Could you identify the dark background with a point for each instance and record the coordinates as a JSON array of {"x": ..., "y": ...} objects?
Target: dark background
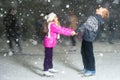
[{"x": 28, "y": 11}]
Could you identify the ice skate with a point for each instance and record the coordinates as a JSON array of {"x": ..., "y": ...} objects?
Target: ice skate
[
  {"x": 89, "y": 73},
  {"x": 83, "y": 71},
  {"x": 48, "y": 74},
  {"x": 53, "y": 70}
]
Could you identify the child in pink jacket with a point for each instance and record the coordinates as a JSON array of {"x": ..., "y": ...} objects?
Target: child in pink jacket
[{"x": 52, "y": 34}]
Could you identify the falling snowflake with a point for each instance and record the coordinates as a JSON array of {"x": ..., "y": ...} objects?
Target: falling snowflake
[
  {"x": 67, "y": 6},
  {"x": 20, "y": 13},
  {"x": 12, "y": 2},
  {"x": 41, "y": 14},
  {"x": 101, "y": 54},
  {"x": 35, "y": 63},
  {"x": 1, "y": 9},
  {"x": 8, "y": 41},
  {"x": 49, "y": 0},
  {"x": 53, "y": 5},
  {"x": 62, "y": 10},
  {"x": 5, "y": 12},
  {"x": 5, "y": 54},
  {"x": 21, "y": 23},
  {"x": 63, "y": 72},
  {"x": 20, "y": 1},
  {"x": 22, "y": 19},
  {"x": 1, "y": 15},
  {"x": 66, "y": 52},
  {"x": 17, "y": 39},
  {"x": 80, "y": 13},
  {"x": 28, "y": 14}
]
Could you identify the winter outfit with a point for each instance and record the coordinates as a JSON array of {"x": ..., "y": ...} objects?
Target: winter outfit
[
  {"x": 50, "y": 42},
  {"x": 12, "y": 31},
  {"x": 89, "y": 30}
]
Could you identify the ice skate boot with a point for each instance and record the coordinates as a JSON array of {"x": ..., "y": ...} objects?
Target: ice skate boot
[
  {"x": 89, "y": 73},
  {"x": 48, "y": 74},
  {"x": 53, "y": 70}
]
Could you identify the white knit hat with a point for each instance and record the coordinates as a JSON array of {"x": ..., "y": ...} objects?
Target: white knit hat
[{"x": 50, "y": 16}]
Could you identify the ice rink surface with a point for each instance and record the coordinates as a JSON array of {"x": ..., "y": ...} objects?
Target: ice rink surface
[{"x": 29, "y": 64}]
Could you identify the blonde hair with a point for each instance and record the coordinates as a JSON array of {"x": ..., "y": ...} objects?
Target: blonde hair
[{"x": 105, "y": 13}]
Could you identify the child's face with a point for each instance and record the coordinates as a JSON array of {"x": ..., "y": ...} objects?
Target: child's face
[{"x": 99, "y": 10}]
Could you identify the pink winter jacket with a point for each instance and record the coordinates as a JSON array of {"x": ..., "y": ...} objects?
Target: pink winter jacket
[{"x": 54, "y": 30}]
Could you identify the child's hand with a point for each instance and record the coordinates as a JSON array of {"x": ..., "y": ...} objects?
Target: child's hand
[{"x": 73, "y": 33}]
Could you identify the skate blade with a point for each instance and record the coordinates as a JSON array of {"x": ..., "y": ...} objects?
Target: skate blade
[
  {"x": 87, "y": 75},
  {"x": 48, "y": 75}
]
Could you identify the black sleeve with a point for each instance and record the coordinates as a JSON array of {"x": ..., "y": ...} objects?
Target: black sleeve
[{"x": 5, "y": 21}]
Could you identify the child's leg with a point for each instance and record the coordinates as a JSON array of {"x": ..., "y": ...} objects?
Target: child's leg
[
  {"x": 51, "y": 58},
  {"x": 48, "y": 58},
  {"x": 90, "y": 56},
  {"x": 10, "y": 42},
  {"x": 83, "y": 53},
  {"x": 17, "y": 42},
  {"x": 73, "y": 40}
]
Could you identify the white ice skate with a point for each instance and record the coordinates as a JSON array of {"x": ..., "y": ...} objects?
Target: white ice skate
[
  {"x": 53, "y": 70},
  {"x": 48, "y": 74}
]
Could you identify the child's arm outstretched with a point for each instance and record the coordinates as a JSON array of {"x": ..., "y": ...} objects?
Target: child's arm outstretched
[{"x": 62, "y": 30}]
